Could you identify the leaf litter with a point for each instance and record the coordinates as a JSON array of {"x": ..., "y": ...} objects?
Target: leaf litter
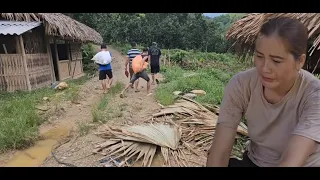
[{"x": 178, "y": 131}]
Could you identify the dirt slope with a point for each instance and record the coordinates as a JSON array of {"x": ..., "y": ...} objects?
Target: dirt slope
[
  {"x": 77, "y": 151},
  {"x": 138, "y": 107}
]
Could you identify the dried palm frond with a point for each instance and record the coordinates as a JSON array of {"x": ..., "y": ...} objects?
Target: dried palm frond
[
  {"x": 190, "y": 131},
  {"x": 245, "y": 30}
]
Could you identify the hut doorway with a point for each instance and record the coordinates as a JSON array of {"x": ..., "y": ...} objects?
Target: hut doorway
[{"x": 55, "y": 62}]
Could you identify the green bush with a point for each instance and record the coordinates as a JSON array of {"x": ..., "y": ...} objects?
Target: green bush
[{"x": 88, "y": 51}]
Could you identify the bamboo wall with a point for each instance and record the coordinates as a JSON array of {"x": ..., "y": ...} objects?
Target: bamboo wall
[
  {"x": 12, "y": 73},
  {"x": 39, "y": 70},
  {"x": 13, "y": 76}
]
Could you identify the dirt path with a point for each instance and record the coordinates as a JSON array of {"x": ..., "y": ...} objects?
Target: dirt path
[{"x": 135, "y": 107}]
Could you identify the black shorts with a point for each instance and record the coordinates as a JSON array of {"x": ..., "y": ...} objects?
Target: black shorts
[
  {"x": 104, "y": 73},
  {"x": 155, "y": 69},
  {"x": 143, "y": 75},
  {"x": 245, "y": 162}
]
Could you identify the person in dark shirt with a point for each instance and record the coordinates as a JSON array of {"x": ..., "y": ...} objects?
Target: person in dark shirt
[{"x": 154, "y": 57}]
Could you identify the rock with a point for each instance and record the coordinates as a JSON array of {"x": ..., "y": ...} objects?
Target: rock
[
  {"x": 43, "y": 108},
  {"x": 190, "y": 95},
  {"x": 198, "y": 92},
  {"x": 177, "y": 93},
  {"x": 189, "y": 74},
  {"x": 45, "y": 98},
  {"x": 61, "y": 86}
]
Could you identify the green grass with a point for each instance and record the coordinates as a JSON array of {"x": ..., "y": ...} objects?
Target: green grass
[
  {"x": 101, "y": 112},
  {"x": 83, "y": 128},
  {"x": 208, "y": 80},
  {"x": 19, "y": 119}
]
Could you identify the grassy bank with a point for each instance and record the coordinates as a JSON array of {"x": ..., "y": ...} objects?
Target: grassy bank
[
  {"x": 20, "y": 120},
  {"x": 197, "y": 70}
]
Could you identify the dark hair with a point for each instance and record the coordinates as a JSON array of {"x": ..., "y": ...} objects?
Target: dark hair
[
  {"x": 292, "y": 31},
  {"x": 145, "y": 50},
  {"x": 103, "y": 46},
  {"x": 133, "y": 44}
]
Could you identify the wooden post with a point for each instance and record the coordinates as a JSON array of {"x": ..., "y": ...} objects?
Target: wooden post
[
  {"x": 18, "y": 50},
  {"x": 68, "y": 50},
  {"x": 23, "y": 52},
  {"x": 57, "y": 58},
  {"x": 49, "y": 53}
]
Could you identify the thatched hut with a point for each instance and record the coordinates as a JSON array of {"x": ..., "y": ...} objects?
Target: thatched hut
[
  {"x": 37, "y": 49},
  {"x": 245, "y": 30}
]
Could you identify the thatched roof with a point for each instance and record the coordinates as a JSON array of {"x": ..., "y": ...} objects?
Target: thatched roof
[
  {"x": 57, "y": 24},
  {"x": 245, "y": 30}
]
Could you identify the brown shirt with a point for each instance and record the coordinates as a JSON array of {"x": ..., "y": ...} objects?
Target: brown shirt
[{"x": 271, "y": 125}]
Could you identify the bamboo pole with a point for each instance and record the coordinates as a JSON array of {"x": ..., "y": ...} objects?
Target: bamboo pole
[
  {"x": 49, "y": 53},
  {"x": 57, "y": 58},
  {"x": 24, "y": 58}
]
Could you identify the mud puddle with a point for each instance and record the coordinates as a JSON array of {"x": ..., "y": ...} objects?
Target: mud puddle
[{"x": 37, "y": 154}]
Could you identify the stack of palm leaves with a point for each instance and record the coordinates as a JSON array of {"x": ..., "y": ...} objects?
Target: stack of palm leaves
[{"x": 183, "y": 131}]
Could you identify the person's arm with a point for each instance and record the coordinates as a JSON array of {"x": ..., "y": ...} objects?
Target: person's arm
[
  {"x": 127, "y": 62},
  {"x": 298, "y": 151},
  {"x": 159, "y": 56},
  {"x": 220, "y": 150},
  {"x": 306, "y": 135},
  {"x": 231, "y": 111}
]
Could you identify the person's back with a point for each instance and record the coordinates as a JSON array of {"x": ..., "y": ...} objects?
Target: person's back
[
  {"x": 154, "y": 53},
  {"x": 138, "y": 64},
  {"x": 154, "y": 57},
  {"x": 105, "y": 70}
]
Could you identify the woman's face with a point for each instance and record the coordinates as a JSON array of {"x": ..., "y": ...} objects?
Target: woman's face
[{"x": 276, "y": 66}]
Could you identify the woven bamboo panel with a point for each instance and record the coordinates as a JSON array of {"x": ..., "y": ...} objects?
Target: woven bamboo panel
[
  {"x": 12, "y": 74},
  {"x": 76, "y": 52},
  {"x": 64, "y": 69},
  {"x": 39, "y": 70},
  {"x": 76, "y": 67}
]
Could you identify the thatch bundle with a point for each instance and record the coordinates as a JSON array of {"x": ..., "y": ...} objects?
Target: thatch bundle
[
  {"x": 245, "y": 30},
  {"x": 181, "y": 130},
  {"x": 57, "y": 24}
]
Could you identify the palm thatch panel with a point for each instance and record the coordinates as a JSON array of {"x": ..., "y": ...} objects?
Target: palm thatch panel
[
  {"x": 245, "y": 30},
  {"x": 57, "y": 24}
]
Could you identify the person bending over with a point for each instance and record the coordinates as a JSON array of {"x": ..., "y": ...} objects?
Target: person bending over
[
  {"x": 280, "y": 101},
  {"x": 139, "y": 66}
]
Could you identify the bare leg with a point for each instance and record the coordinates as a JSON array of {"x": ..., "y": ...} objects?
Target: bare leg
[
  {"x": 110, "y": 82},
  {"x": 136, "y": 85},
  {"x": 125, "y": 89},
  {"x": 104, "y": 85},
  {"x": 148, "y": 87},
  {"x": 152, "y": 78}
]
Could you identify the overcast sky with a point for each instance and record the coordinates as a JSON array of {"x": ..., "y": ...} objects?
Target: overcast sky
[{"x": 213, "y": 14}]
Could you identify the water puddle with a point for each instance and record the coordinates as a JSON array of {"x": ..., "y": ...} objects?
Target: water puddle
[{"x": 35, "y": 155}]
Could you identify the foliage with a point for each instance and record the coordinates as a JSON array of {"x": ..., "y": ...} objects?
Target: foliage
[
  {"x": 206, "y": 71},
  {"x": 170, "y": 30},
  {"x": 88, "y": 51}
]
